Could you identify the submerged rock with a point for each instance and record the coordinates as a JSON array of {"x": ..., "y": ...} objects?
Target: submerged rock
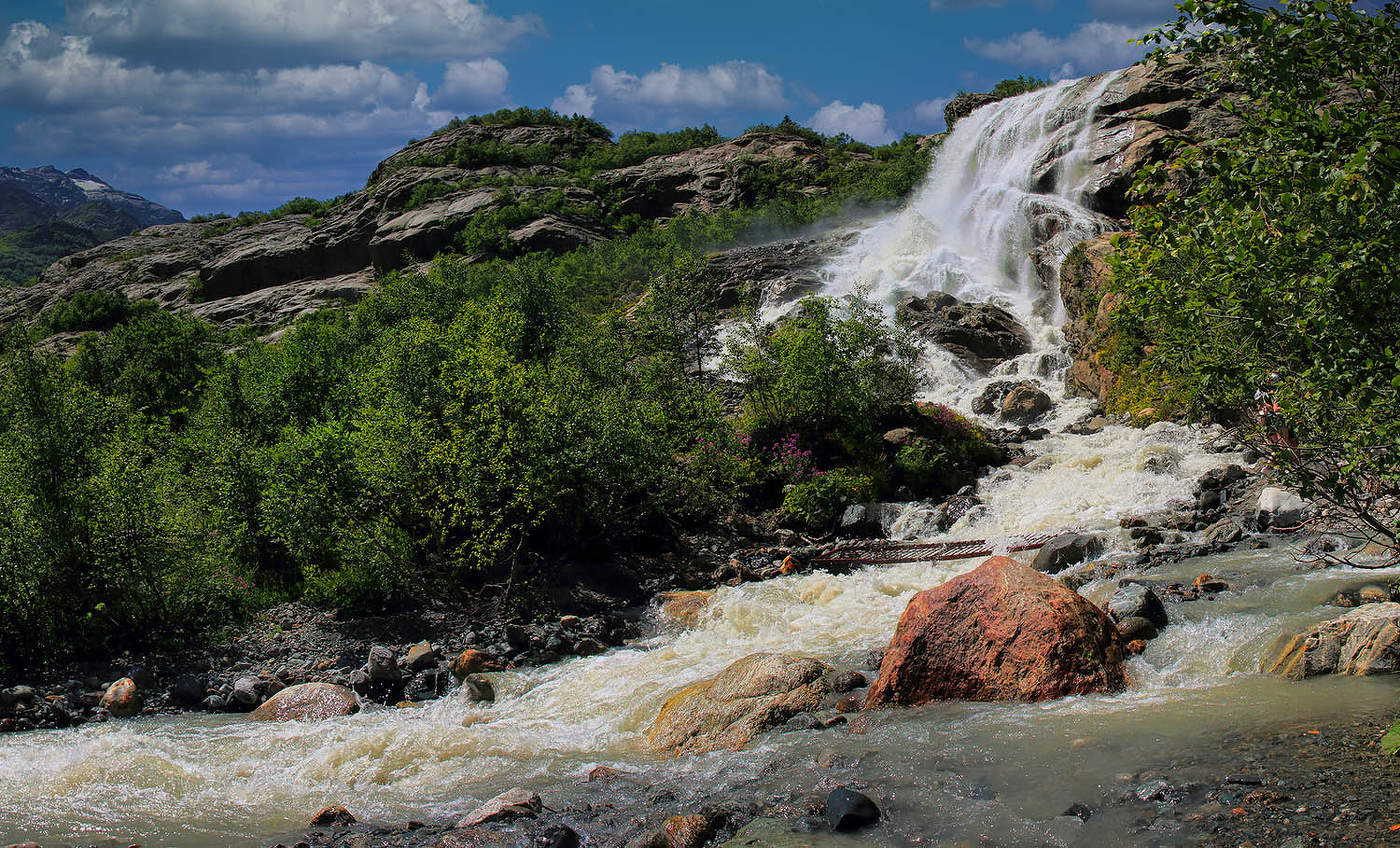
[
  {"x": 751, "y": 695},
  {"x": 308, "y": 702},
  {"x": 1362, "y": 642},
  {"x": 774, "y": 833},
  {"x": 682, "y": 607},
  {"x": 1000, "y": 632}
]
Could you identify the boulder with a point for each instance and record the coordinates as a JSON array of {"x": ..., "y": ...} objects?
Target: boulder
[
  {"x": 1362, "y": 642},
  {"x": 478, "y": 688},
  {"x": 1063, "y": 551},
  {"x": 420, "y": 657},
  {"x": 682, "y": 607},
  {"x": 1224, "y": 532},
  {"x": 473, "y": 661},
  {"x": 1136, "y": 629},
  {"x": 979, "y": 333},
  {"x": 308, "y": 702},
  {"x": 332, "y": 816},
  {"x": 690, "y": 831},
  {"x": 245, "y": 693},
  {"x": 514, "y": 804},
  {"x": 1134, "y": 600},
  {"x": 1000, "y": 632},
  {"x": 122, "y": 699},
  {"x": 1025, "y": 403},
  {"x": 1279, "y": 510},
  {"x": 751, "y": 695},
  {"x": 847, "y": 809},
  {"x": 382, "y": 666}
]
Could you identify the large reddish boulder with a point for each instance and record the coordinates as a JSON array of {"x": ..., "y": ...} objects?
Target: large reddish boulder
[{"x": 1000, "y": 632}]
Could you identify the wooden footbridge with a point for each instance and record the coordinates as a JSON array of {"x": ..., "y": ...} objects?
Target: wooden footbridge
[{"x": 845, "y": 555}]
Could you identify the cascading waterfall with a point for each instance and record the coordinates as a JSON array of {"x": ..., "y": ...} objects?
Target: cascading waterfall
[{"x": 1000, "y": 203}]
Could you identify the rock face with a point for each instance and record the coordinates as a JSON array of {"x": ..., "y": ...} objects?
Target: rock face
[
  {"x": 1000, "y": 632},
  {"x": 1085, "y": 279},
  {"x": 1364, "y": 641},
  {"x": 979, "y": 333},
  {"x": 965, "y": 104},
  {"x": 415, "y": 204},
  {"x": 308, "y": 702},
  {"x": 776, "y": 272},
  {"x": 751, "y": 695}
]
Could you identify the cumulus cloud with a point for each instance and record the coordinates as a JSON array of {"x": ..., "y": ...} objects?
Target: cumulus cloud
[
  {"x": 674, "y": 93},
  {"x": 865, "y": 122},
  {"x": 929, "y": 113},
  {"x": 1090, "y": 48},
  {"x": 257, "y": 32},
  {"x": 479, "y": 82}
]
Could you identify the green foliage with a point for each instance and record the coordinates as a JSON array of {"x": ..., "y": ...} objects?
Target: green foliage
[
  {"x": 527, "y": 117},
  {"x": 834, "y": 372},
  {"x": 94, "y": 309},
  {"x": 316, "y": 209},
  {"x": 817, "y": 503},
  {"x": 1269, "y": 260},
  {"x": 26, "y": 253},
  {"x": 1019, "y": 85}
]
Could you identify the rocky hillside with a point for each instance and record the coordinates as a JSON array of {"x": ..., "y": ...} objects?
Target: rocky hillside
[
  {"x": 46, "y": 214},
  {"x": 480, "y": 190}
]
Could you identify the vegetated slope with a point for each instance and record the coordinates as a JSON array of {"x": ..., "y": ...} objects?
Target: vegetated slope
[{"x": 46, "y": 214}]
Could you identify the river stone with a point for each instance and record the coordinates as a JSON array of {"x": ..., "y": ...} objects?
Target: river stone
[
  {"x": 245, "y": 693},
  {"x": 472, "y": 661},
  {"x": 514, "y": 804},
  {"x": 1136, "y": 600},
  {"x": 1063, "y": 551},
  {"x": 847, "y": 809},
  {"x": 1224, "y": 532},
  {"x": 382, "y": 666},
  {"x": 1135, "y": 627},
  {"x": 332, "y": 816},
  {"x": 1025, "y": 403},
  {"x": 682, "y": 607},
  {"x": 751, "y": 695},
  {"x": 1279, "y": 509},
  {"x": 420, "y": 657},
  {"x": 690, "y": 831},
  {"x": 122, "y": 699},
  {"x": 774, "y": 833},
  {"x": 308, "y": 702},
  {"x": 1362, "y": 642},
  {"x": 478, "y": 688},
  {"x": 1000, "y": 632}
]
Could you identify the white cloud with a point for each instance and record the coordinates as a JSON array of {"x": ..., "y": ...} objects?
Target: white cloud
[
  {"x": 865, "y": 122},
  {"x": 1092, "y": 47},
  {"x": 674, "y": 91},
  {"x": 474, "y": 83},
  {"x": 308, "y": 30},
  {"x": 929, "y": 113}
]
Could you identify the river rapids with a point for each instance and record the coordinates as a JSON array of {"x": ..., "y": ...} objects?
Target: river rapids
[{"x": 1005, "y": 184}]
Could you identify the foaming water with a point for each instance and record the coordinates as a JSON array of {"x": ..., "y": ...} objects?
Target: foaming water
[{"x": 1001, "y": 203}]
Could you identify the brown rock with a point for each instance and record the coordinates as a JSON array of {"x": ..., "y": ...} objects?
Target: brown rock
[
  {"x": 1364, "y": 641},
  {"x": 308, "y": 702},
  {"x": 1025, "y": 403},
  {"x": 420, "y": 657},
  {"x": 472, "y": 661},
  {"x": 684, "y": 608},
  {"x": 677, "y": 832},
  {"x": 514, "y": 804},
  {"x": 122, "y": 699},
  {"x": 751, "y": 695},
  {"x": 332, "y": 816},
  {"x": 790, "y": 565},
  {"x": 1000, "y": 632}
]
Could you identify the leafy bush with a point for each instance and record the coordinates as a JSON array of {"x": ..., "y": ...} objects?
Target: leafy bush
[
  {"x": 95, "y": 309},
  {"x": 1276, "y": 271},
  {"x": 1019, "y": 85},
  {"x": 817, "y": 503}
]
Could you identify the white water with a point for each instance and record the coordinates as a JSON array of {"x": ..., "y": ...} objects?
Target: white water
[{"x": 202, "y": 780}]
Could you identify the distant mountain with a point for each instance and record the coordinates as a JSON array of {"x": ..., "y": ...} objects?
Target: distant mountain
[{"x": 46, "y": 214}]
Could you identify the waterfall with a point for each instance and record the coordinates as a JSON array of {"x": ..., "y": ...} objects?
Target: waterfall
[{"x": 1001, "y": 204}]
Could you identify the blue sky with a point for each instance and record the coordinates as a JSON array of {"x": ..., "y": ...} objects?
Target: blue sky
[{"x": 220, "y": 106}]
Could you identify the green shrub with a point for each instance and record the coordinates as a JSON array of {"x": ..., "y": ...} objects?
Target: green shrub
[
  {"x": 816, "y": 504},
  {"x": 95, "y": 309}
]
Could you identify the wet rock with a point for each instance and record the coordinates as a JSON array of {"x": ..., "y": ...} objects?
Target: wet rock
[
  {"x": 1366, "y": 593},
  {"x": 1136, "y": 628},
  {"x": 847, "y": 810},
  {"x": 472, "y": 661},
  {"x": 122, "y": 699},
  {"x": 1079, "y": 811},
  {"x": 1025, "y": 403},
  {"x": 1224, "y": 532},
  {"x": 682, "y": 607},
  {"x": 1279, "y": 510},
  {"x": 478, "y": 688},
  {"x": 214, "y": 704},
  {"x": 1066, "y": 550},
  {"x": 308, "y": 702},
  {"x": 332, "y": 817},
  {"x": 982, "y": 334},
  {"x": 690, "y": 831},
  {"x": 965, "y": 104},
  {"x": 560, "y": 836},
  {"x": 1000, "y": 632},
  {"x": 751, "y": 695},
  {"x": 188, "y": 691},
  {"x": 420, "y": 657},
  {"x": 382, "y": 666},
  {"x": 426, "y": 685},
  {"x": 514, "y": 804},
  {"x": 845, "y": 681},
  {"x": 774, "y": 833},
  {"x": 1364, "y": 641},
  {"x": 1136, "y": 600},
  {"x": 245, "y": 693}
]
